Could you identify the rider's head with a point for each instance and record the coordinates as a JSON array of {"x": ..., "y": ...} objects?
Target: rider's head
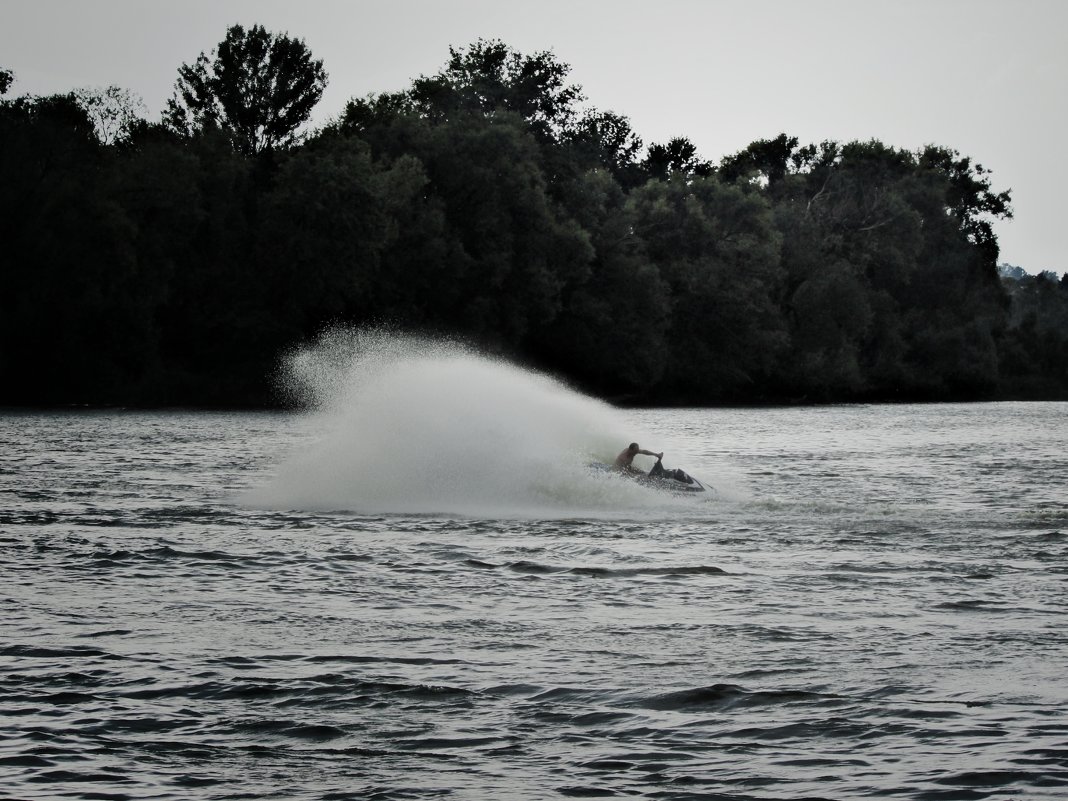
[{"x": 634, "y": 447}]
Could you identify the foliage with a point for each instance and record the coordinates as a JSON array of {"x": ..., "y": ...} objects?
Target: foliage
[
  {"x": 73, "y": 319},
  {"x": 1034, "y": 351},
  {"x": 172, "y": 262},
  {"x": 715, "y": 247},
  {"x": 604, "y": 139},
  {"x": 258, "y": 88},
  {"x": 114, "y": 111},
  {"x": 611, "y": 333},
  {"x": 678, "y": 158},
  {"x": 489, "y": 77},
  {"x": 765, "y": 158},
  {"x": 890, "y": 284}
]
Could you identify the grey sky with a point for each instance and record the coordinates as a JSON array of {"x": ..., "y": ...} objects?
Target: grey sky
[{"x": 989, "y": 79}]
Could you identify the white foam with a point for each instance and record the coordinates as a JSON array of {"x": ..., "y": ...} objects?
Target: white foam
[{"x": 418, "y": 425}]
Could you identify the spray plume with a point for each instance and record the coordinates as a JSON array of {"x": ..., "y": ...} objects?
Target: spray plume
[{"x": 418, "y": 425}]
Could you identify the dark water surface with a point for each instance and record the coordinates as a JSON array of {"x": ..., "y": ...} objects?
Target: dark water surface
[{"x": 873, "y": 606}]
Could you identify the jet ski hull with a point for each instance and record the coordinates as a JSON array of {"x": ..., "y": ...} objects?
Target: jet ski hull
[
  {"x": 665, "y": 482},
  {"x": 674, "y": 485}
]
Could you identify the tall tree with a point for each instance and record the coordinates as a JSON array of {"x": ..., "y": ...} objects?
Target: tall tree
[
  {"x": 611, "y": 335},
  {"x": 490, "y": 77},
  {"x": 514, "y": 253},
  {"x": 716, "y": 249},
  {"x": 768, "y": 158},
  {"x": 324, "y": 225},
  {"x": 891, "y": 288},
  {"x": 257, "y": 87},
  {"x": 73, "y": 326},
  {"x": 677, "y": 158},
  {"x": 605, "y": 139},
  {"x": 114, "y": 111},
  {"x": 970, "y": 199}
]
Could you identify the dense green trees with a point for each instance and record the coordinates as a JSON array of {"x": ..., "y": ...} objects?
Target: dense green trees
[
  {"x": 714, "y": 246},
  {"x": 1034, "y": 350},
  {"x": 891, "y": 287},
  {"x": 70, "y": 310},
  {"x": 174, "y": 262},
  {"x": 488, "y": 78}
]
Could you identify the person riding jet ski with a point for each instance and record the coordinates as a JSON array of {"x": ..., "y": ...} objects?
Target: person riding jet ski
[{"x": 624, "y": 463}]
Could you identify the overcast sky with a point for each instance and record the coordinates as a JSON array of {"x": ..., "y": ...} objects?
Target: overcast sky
[{"x": 987, "y": 78}]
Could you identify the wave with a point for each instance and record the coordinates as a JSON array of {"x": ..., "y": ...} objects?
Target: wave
[
  {"x": 537, "y": 568},
  {"x": 727, "y": 696}
]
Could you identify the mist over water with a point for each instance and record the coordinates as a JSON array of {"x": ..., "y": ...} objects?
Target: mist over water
[{"x": 418, "y": 425}]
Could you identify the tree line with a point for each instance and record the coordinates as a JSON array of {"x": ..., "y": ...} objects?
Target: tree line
[{"x": 172, "y": 262}]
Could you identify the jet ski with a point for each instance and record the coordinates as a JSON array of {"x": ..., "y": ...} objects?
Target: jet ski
[{"x": 660, "y": 478}]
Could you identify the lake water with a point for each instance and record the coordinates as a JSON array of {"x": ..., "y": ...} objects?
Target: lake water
[{"x": 268, "y": 605}]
